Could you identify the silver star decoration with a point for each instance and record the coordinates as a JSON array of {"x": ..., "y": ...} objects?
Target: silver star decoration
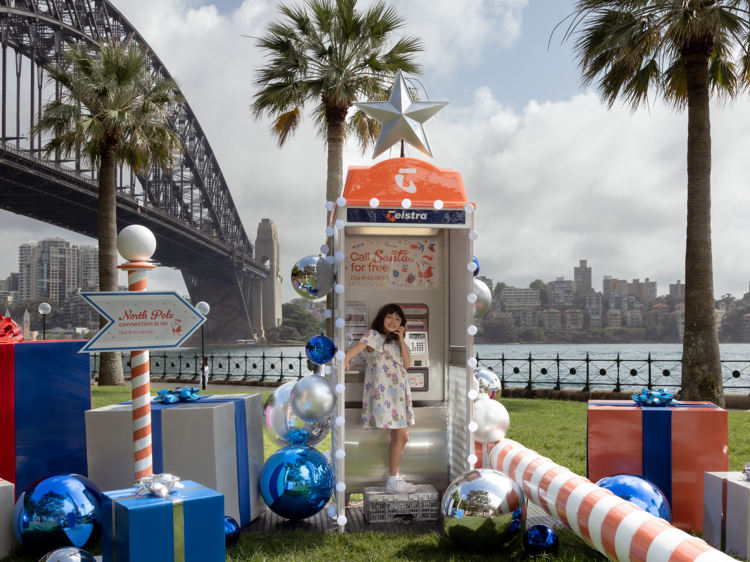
[{"x": 401, "y": 118}]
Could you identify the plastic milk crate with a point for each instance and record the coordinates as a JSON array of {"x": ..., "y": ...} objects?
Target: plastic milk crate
[{"x": 381, "y": 507}]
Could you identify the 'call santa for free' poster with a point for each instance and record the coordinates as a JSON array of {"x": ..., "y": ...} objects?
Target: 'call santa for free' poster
[{"x": 398, "y": 262}]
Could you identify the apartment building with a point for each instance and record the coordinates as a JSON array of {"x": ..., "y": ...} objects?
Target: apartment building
[
  {"x": 573, "y": 319},
  {"x": 551, "y": 319},
  {"x": 582, "y": 277},
  {"x": 633, "y": 319},
  {"x": 528, "y": 319},
  {"x": 512, "y": 299},
  {"x": 561, "y": 292},
  {"x": 677, "y": 289},
  {"x": 614, "y": 319}
]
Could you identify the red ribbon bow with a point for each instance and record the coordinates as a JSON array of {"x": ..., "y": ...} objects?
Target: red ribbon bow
[{"x": 9, "y": 331}]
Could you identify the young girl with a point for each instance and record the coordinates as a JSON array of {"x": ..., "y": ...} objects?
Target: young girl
[{"x": 386, "y": 403}]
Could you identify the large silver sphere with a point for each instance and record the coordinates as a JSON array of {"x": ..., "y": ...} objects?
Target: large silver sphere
[
  {"x": 313, "y": 277},
  {"x": 487, "y": 382},
  {"x": 492, "y": 420},
  {"x": 313, "y": 398},
  {"x": 287, "y": 427},
  {"x": 68, "y": 555},
  {"x": 484, "y": 298},
  {"x": 484, "y": 510}
]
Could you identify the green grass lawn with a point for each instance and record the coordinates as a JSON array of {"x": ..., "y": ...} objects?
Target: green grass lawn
[{"x": 554, "y": 429}]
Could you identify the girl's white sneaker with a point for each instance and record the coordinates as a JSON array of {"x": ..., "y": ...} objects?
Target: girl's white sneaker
[{"x": 398, "y": 486}]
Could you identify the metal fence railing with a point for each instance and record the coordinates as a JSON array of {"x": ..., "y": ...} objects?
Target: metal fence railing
[
  {"x": 616, "y": 374},
  {"x": 531, "y": 372}
]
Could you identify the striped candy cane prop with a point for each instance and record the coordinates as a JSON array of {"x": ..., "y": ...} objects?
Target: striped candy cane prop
[
  {"x": 617, "y": 528},
  {"x": 136, "y": 244}
]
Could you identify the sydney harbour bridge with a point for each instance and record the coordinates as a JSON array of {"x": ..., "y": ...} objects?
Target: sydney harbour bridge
[{"x": 190, "y": 209}]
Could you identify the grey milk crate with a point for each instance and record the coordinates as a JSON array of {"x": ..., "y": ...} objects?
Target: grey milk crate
[{"x": 381, "y": 507}]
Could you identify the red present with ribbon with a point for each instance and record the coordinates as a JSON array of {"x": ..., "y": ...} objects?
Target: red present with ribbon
[
  {"x": 9, "y": 331},
  {"x": 670, "y": 446}
]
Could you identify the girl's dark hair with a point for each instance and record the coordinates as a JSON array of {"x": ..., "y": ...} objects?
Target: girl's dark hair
[{"x": 377, "y": 323}]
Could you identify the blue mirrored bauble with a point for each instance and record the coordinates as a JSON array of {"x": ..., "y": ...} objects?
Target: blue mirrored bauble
[
  {"x": 641, "y": 492},
  {"x": 320, "y": 349},
  {"x": 296, "y": 482},
  {"x": 476, "y": 261},
  {"x": 540, "y": 539},
  {"x": 484, "y": 510},
  {"x": 231, "y": 531},
  {"x": 68, "y": 555},
  {"x": 58, "y": 512}
]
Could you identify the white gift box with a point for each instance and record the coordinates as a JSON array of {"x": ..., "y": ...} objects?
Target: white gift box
[
  {"x": 198, "y": 442},
  {"x": 727, "y": 505},
  {"x": 7, "y": 504}
]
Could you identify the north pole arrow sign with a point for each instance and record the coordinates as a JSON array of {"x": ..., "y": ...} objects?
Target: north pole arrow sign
[{"x": 142, "y": 320}]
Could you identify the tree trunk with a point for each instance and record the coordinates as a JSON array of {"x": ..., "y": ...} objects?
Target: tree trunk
[
  {"x": 701, "y": 360},
  {"x": 110, "y": 363}
]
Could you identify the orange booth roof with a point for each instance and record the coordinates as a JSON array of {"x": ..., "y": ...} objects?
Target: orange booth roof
[{"x": 392, "y": 181}]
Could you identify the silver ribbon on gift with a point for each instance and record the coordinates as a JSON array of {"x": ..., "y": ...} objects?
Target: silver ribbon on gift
[
  {"x": 159, "y": 484},
  {"x": 746, "y": 470}
]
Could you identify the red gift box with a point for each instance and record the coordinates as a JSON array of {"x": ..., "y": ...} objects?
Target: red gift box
[{"x": 670, "y": 446}]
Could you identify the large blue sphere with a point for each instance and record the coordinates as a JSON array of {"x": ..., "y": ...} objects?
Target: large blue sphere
[
  {"x": 296, "y": 482},
  {"x": 641, "y": 492},
  {"x": 540, "y": 539},
  {"x": 320, "y": 349},
  {"x": 58, "y": 512},
  {"x": 231, "y": 531},
  {"x": 68, "y": 555}
]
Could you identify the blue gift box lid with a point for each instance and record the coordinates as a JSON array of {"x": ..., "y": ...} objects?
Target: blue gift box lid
[{"x": 188, "y": 526}]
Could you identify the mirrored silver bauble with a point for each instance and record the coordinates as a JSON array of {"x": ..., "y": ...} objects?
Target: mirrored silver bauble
[
  {"x": 313, "y": 277},
  {"x": 484, "y": 510},
  {"x": 487, "y": 382},
  {"x": 68, "y": 555},
  {"x": 313, "y": 398},
  {"x": 492, "y": 420},
  {"x": 484, "y": 298},
  {"x": 287, "y": 427}
]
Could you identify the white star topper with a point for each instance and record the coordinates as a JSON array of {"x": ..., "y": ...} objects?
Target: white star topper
[{"x": 401, "y": 118}]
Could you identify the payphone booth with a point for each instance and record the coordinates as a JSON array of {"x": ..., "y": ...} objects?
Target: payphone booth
[{"x": 405, "y": 240}]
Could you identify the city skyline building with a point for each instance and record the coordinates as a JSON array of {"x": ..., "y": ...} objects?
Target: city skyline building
[
  {"x": 26, "y": 274},
  {"x": 88, "y": 269},
  {"x": 561, "y": 292},
  {"x": 582, "y": 277},
  {"x": 512, "y": 299},
  {"x": 677, "y": 289}
]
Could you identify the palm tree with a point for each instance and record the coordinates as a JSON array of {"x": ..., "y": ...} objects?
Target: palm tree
[
  {"x": 111, "y": 110},
  {"x": 683, "y": 51},
  {"x": 328, "y": 54}
]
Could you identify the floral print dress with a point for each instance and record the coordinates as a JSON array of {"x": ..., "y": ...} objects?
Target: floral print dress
[{"x": 386, "y": 403}]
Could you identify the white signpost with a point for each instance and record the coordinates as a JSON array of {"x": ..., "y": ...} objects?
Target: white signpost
[{"x": 142, "y": 320}]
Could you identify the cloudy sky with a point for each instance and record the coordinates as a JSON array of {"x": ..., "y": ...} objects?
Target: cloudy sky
[{"x": 557, "y": 177}]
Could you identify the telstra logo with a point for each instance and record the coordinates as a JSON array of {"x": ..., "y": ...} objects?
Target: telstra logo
[{"x": 394, "y": 216}]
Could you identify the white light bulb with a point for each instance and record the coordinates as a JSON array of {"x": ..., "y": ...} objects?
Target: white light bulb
[
  {"x": 340, "y": 454},
  {"x": 339, "y": 256},
  {"x": 406, "y": 203},
  {"x": 438, "y": 204},
  {"x": 340, "y": 355},
  {"x": 336, "y": 313},
  {"x": 336, "y": 343},
  {"x": 327, "y": 369},
  {"x": 332, "y": 512},
  {"x": 469, "y": 208},
  {"x": 340, "y": 224},
  {"x": 330, "y": 259},
  {"x": 374, "y": 202},
  {"x": 340, "y": 201},
  {"x": 330, "y": 231},
  {"x": 472, "y": 330},
  {"x": 472, "y": 459},
  {"x": 340, "y": 487},
  {"x": 340, "y": 388},
  {"x": 473, "y": 394},
  {"x": 339, "y": 287},
  {"x": 327, "y": 454},
  {"x": 340, "y": 323},
  {"x": 327, "y": 313},
  {"x": 473, "y": 426},
  {"x": 340, "y": 421},
  {"x": 472, "y": 298},
  {"x": 471, "y": 266},
  {"x": 472, "y": 362},
  {"x": 329, "y": 205},
  {"x": 341, "y": 520},
  {"x": 324, "y": 249},
  {"x": 473, "y": 235}
]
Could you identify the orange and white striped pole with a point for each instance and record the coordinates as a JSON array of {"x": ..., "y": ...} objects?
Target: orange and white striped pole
[
  {"x": 137, "y": 244},
  {"x": 617, "y": 528}
]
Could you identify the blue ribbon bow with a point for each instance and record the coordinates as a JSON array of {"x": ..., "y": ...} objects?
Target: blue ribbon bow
[
  {"x": 179, "y": 394},
  {"x": 654, "y": 398}
]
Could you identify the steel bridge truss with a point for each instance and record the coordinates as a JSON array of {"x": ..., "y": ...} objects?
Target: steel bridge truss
[{"x": 212, "y": 248}]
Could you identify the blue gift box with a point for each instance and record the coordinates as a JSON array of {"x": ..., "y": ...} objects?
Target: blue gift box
[
  {"x": 46, "y": 390},
  {"x": 187, "y": 526}
]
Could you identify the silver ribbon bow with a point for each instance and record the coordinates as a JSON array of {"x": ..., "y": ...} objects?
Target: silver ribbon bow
[
  {"x": 746, "y": 470},
  {"x": 159, "y": 484}
]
